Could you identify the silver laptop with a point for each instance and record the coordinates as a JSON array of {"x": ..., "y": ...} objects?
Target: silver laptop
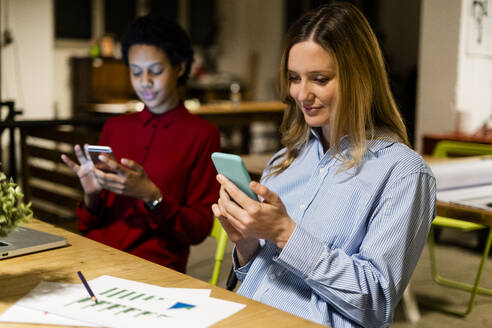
[{"x": 24, "y": 240}]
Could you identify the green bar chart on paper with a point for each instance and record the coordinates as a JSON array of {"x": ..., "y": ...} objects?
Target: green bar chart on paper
[{"x": 120, "y": 301}]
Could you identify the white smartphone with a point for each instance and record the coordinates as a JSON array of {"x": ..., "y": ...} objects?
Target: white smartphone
[
  {"x": 232, "y": 167},
  {"x": 93, "y": 152}
]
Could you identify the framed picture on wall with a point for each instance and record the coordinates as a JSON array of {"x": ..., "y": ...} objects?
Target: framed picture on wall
[{"x": 478, "y": 27}]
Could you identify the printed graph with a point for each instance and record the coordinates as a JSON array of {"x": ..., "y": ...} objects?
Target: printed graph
[{"x": 118, "y": 301}]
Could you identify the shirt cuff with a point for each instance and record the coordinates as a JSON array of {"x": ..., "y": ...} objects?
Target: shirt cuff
[
  {"x": 294, "y": 256},
  {"x": 86, "y": 217},
  {"x": 242, "y": 271},
  {"x": 159, "y": 214}
]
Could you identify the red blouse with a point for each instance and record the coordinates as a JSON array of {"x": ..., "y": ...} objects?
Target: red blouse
[{"x": 174, "y": 149}]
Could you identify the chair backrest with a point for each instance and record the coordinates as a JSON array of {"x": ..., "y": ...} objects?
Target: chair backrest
[
  {"x": 48, "y": 183},
  {"x": 447, "y": 148},
  {"x": 221, "y": 238}
]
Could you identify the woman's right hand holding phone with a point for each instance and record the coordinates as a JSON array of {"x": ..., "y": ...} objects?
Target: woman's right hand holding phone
[
  {"x": 245, "y": 220},
  {"x": 85, "y": 172}
]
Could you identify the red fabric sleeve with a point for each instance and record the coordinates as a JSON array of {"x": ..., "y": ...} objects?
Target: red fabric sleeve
[{"x": 192, "y": 222}]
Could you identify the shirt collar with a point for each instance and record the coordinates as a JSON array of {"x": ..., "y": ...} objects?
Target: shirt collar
[
  {"x": 376, "y": 145},
  {"x": 373, "y": 146},
  {"x": 166, "y": 119},
  {"x": 316, "y": 133}
]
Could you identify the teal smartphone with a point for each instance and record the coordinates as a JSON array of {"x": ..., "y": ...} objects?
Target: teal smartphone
[{"x": 232, "y": 167}]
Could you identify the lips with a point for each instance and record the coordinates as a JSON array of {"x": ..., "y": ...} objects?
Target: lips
[
  {"x": 148, "y": 95},
  {"x": 310, "y": 110}
]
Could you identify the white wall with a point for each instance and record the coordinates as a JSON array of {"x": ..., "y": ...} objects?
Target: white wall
[
  {"x": 449, "y": 77},
  {"x": 27, "y": 63},
  {"x": 474, "y": 85}
]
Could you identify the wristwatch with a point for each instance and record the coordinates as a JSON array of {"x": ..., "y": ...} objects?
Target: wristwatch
[{"x": 154, "y": 204}]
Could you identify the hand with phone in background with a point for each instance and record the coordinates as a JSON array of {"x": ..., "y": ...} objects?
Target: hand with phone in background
[
  {"x": 93, "y": 152},
  {"x": 126, "y": 177},
  {"x": 243, "y": 216},
  {"x": 84, "y": 170}
]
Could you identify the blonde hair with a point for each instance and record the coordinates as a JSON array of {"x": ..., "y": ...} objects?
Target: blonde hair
[{"x": 365, "y": 108}]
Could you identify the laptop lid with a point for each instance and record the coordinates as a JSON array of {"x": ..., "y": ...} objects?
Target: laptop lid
[{"x": 24, "y": 240}]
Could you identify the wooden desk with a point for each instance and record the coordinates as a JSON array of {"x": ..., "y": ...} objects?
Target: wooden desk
[
  {"x": 19, "y": 275},
  {"x": 455, "y": 211},
  {"x": 250, "y": 107}
]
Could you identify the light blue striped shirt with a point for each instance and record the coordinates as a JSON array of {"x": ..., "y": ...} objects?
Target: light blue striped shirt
[{"x": 359, "y": 235}]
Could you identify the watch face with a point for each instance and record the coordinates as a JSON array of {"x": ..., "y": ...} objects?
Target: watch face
[{"x": 154, "y": 204}]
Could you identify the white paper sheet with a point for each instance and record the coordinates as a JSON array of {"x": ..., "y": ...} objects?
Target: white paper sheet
[
  {"x": 467, "y": 183},
  {"x": 125, "y": 303},
  {"x": 462, "y": 174},
  {"x": 18, "y": 313}
]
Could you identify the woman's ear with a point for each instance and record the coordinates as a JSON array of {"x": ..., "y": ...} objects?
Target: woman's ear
[{"x": 180, "y": 68}]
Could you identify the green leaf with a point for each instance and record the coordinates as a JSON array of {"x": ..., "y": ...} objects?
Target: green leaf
[{"x": 12, "y": 210}]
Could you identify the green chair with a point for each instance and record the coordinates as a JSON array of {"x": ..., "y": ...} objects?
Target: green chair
[
  {"x": 221, "y": 238},
  {"x": 445, "y": 149}
]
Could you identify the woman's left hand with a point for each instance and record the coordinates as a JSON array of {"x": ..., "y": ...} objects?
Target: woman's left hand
[
  {"x": 128, "y": 179},
  {"x": 253, "y": 219}
]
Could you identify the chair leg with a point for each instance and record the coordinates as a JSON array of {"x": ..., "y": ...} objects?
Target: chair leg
[
  {"x": 216, "y": 273},
  {"x": 410, "y": 306},
  {"x": 474, "y": 289}
]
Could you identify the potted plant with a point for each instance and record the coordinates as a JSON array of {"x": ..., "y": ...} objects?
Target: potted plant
[{"x": 13, "y": 211}]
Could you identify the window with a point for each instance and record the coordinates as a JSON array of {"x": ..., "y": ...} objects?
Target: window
[{"x": 73, "y": 19}]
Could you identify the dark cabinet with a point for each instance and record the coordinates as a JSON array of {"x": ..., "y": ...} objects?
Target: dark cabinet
[{"x": 99, "y": 81}]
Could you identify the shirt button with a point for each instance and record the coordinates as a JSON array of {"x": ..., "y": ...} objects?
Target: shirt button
[
  {"x": 302, "y": 206},
  {"x": 322, "y": 170},
  {"x": 273, "y": 276}
]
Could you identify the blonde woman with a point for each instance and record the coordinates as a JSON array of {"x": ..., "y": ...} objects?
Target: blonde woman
[{"x": 346, "y": 206}]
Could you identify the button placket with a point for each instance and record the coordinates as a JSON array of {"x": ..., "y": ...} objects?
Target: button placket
[
  {"x": 314, "y": 184},
  {"x": 148, "y": 144}
]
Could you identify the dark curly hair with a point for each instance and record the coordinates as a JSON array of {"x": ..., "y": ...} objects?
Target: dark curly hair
[{"x": 164, "y": 34}]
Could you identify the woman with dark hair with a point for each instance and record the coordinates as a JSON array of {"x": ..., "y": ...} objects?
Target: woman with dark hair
[
  {"x": 346, "y": 206},
  {"x": 156, "y": 201}
]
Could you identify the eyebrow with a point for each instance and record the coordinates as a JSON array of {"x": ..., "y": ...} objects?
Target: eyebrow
[
  {"x": 314, "y": 72},
  {"x": 150, "y": 66}
]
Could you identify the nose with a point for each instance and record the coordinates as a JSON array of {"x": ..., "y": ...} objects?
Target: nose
[
  {"x": 302, "y": 92},
  {"x": 146, "y": 80}
]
